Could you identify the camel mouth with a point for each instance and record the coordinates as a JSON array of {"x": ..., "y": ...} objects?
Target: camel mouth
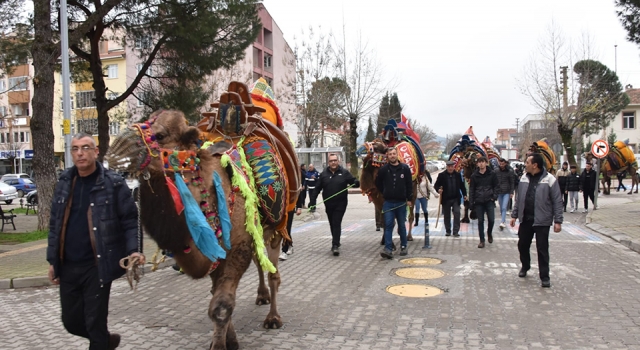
[{"x": 128, "y": 153}]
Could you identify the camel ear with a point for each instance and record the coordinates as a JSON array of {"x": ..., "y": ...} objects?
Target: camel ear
[{"x": 190, "y": 137}]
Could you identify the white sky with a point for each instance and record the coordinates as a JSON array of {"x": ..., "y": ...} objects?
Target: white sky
[{"x": 457, "y": 62}]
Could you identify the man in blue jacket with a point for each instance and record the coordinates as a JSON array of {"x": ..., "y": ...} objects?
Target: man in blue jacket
[
  {"x": 94, "y": 224},
  {"x": 311, "y": 180},
  {"x": 395, "y": 184},
  {"x": 538, "y": 206}
]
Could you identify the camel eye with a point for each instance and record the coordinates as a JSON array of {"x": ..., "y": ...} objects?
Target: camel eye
[{"x": 159, "y": 137}]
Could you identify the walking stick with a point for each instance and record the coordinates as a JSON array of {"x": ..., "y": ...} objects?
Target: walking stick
[{"x": 439, "y": 206}]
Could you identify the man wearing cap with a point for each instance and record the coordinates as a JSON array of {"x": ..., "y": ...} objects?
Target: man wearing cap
[
  {"x": 562, "y": 175},
  {"x": 451, "y": 188}
]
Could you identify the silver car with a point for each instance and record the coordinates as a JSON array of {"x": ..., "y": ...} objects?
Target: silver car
[{"x": 7, "y": 193}]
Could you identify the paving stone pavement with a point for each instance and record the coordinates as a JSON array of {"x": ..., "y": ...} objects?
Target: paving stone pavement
[
  {"x": 617, "y": 218},
  {"x": 329, "y": 302}
]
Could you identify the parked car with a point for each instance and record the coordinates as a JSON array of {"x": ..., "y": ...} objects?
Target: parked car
[
  {"x": 432, "y": 166},
  {"x": 32, "y": 197},
  {"x": 7, "y": 193},
  {"x": 22, "y": 185},
  {"x": 14, "y": 176}
]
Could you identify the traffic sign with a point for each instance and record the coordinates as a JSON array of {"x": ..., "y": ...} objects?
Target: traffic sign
[{"x": 600, "y": 148}]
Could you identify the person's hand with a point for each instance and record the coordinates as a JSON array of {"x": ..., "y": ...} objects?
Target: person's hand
[
  {"x": 557, "y": 227},
  {"x": 440, "y": 190},
  {"x": 437, "y": 195},
  {"x": 580, "y": 191},
  {"x": 299, "y": 211},
  {"x": 140, "y": 256},
  {"x": 465, "y": 198},
  {"x": 566, "y": 191},
  {"x": 52, "y": 278},
  {"x": 513, "y": 222}
]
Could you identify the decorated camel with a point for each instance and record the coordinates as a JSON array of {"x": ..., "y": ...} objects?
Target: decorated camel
[
  {"x": 542, "y": 147},
  {"x": 216, "y": 198},
  {"x": 619, "y": 159},
  {"x": 374, "y": 153}
]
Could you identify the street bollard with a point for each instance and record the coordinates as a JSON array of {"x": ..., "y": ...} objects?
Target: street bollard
[{"x": 427, "y": 245}]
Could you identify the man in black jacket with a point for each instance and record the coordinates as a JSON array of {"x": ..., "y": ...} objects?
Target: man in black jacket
[
  {"x": 573, "y": 187},
  {"x": 333, "y": 182},
  {"x": 562, "y": 175},
  {"x": 395, "y": 184},
  {"x": 451, "y": 188},
  {"x": 588, "y": 184},
  {"x": 506, "y": 179},
  {"x": 94, "y": 224},
  {"x": 483, "y": 189}
]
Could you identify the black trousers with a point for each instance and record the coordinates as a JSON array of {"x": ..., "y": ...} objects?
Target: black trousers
[
  {"x": 447, "y": 206},
  {"x": 565, "y": 198},
  {"x": 85, "y": 303},
  {"x": 286, "y": 244},
  {"x": 525, "y": 236},
  {"x": 312, "y": 200},
  {"x": 335, "y": 212},
  {"x": 488, "y": 208},
  {"x": 586, "y": 195}
]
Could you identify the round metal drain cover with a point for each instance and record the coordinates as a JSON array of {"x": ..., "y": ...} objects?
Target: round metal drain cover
[
  {"x": 421, "y": 261},
  {"x": 419, "y": 273},
  {"x": 414, "y": 290}
]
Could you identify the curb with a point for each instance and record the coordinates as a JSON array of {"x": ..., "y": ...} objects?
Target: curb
[
  {"x": 43, "y": 281},
  {"x": 616, "y": 235}
]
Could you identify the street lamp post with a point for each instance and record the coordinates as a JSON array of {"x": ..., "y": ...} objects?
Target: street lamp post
[{"x": 66, "y": 91}]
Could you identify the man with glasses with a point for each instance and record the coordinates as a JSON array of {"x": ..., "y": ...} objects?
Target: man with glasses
[
  {"x": 94, "y": 224},
  {"x": 333, "y": 182}
]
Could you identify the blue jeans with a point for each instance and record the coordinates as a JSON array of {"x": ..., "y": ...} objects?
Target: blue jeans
[
  {"x": 503, "y": 200},
  {"x": 422, "y": 202},
  {"x": 390, "y": 216},
  {"x": 488, "y": 208}
]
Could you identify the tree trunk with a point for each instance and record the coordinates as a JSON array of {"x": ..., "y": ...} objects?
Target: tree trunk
[
  {"x": 353, "y": 139},
  {"x": 44, "y": 60},
  {"x": 100, "y": 89},
  {"x": 566, "y": 135}
]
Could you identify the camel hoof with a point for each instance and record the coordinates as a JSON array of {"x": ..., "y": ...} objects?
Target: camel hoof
[
  {"x": 263, "y": 300},
  {"x": 233, "y": 345},
  {"x": 272, "y": 322}
]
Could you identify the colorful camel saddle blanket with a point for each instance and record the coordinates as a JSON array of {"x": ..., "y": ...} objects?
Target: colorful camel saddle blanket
[
  {"x": 621, "y": 156},
  {"x": 270, "y": 178},
  {"x": 407, "y": 154}
]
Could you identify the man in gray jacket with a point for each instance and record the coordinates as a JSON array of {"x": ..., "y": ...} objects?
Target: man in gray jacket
[{"x": 538, "y": 205}]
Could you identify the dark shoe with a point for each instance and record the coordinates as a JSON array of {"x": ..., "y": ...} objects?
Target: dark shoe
[
  {"x": 335, "y": 250},
  {"x": 490, "y": 238},
  {"x": 481, "y": 245},
  {"x": 385, "y": 253},
  {"x": 377, "y": 228},
  {"x": 448, "y": 234},
  {"x": 456, "y": 234},
  {"x": 404, "y": 251},
  {"x": 417, "y": 219},
  {"x": 545, "y": 284},
  {"x": 114, "y": 341},
  {"x": 522, "y": 273}
]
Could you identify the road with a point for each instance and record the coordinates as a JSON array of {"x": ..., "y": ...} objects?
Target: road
[{"x": 330, "y": 302}]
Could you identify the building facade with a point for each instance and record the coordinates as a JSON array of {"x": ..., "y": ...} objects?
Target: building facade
[{"x": 625, "y": 124}]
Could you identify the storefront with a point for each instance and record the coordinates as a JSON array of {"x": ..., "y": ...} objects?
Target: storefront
[{"x": 18, "y": 161}]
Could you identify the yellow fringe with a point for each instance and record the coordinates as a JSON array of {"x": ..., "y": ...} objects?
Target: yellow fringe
[{"x": 251, "y": 207}]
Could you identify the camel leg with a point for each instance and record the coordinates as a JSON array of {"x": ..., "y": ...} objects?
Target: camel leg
[
  {"x": 409, "y": 236},
  {"x": 263, "y": 297},
  {"x": 378, "y": 219},
  {"x": 273, "y": 319},
  {"x": 225, "y": 279}
]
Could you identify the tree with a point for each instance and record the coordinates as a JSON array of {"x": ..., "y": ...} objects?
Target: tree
[
  {"x": 450, "y": 141},
  {"x": 370, "y": 133},
  {"x": 612, "y": 138},
  {"x": 584, "y": 99},
  {"x": 425, "y": 133},
  {"x": 363, "y": 74},
  {"x": 383, "y": 114},
  {"x": 395, "y": 109}
]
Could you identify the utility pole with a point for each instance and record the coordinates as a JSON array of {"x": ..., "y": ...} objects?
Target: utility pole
[
  {"x": 615, "y": 48},
  {"x": 564, "y": 80}
]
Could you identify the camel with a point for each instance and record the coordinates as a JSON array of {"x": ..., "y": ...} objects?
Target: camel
[
  {"x": 616, "y": 162},
  {"x": 548, "y": 155},
  {"x": 226, "y": 188},
  {"x": 374, "y": 159},
  {"x": 464, "y": 155}
]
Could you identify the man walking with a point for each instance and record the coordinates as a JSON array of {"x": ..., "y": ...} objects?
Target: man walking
[
  {"x": 311, "y": 180},
  {"x": 333, "y": 183},
  {"x": 395, "y": 184},
  {"x": 573, "y": 187},
  {"x": 562, "y": 176},
  {"x": 538, "y": 206},
  {"x": 482, "y": 195},
  {"x": 506, "y": 186},
  {"x": 94, "y": 224},
  {"x": 588, "y": 184},
  {"x": 451, "y": 188}
]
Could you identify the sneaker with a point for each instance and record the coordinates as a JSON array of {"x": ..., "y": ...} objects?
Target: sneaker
[
  {"x": 404, "y": 251},
  {"x": 584, "y": 211},
  {"x": 335, "y": 250},
  {"x": 572, "y": 210},
  {"x": 448, "y": 234},
  {"x": 481, "y": 245},
  {"x": 290, "y": 250},
  {"x": 283, "y": 256},
  {"x": 386, "y": 253},
  {"x": 502, "y": 226},
  {"x": 595, "y": 207},
  {"x": 545, "y": 284},
  {"x": 456, "y": 234}
]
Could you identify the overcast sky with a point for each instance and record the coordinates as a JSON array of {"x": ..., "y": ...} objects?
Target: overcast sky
[{"x": 457, "y": 62}]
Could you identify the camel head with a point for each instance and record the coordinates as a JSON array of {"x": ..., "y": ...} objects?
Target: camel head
[{"x": 375, "y": 153}]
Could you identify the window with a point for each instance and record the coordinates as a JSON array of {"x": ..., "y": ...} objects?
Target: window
[
  {"x": 143, "y": 42},
  {"x": 139, "y": 68},
  {"x": 112, "y": 95},
  {"x": 15, "y": 137},
  {"x": 3, "y": 111},
  {"x": 62, "y": 103},
  {"x": 18, "y": 83},
  {"x": 142, "y": 97},
  {"x": 90, "y": 126},
  {"x": 628, "y": 120},
  {"x": 3, "y": 85},
  {"x": 2, "y": 139},
  {"x": 24, "y": 136},
  {"x": 112, "y": 71},
  {"x": 17, "y": 109},
  {"x": 84, "y": 99},
  {"x": 114, "y": 128},
  {"x": 267, "y": 60}
]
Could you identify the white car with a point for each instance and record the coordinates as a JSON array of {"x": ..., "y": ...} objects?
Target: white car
[{"x": 7, "y": 193}]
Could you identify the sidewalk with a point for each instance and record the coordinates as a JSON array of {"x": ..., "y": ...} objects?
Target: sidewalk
[{"x": 617, "y": 217}]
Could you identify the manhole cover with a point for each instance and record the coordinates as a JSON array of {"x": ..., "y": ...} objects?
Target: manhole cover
[
  {"x": 419, "y": 273},
  {"x": 421, "y": 261},
  {"x": 414, "y": 290}
]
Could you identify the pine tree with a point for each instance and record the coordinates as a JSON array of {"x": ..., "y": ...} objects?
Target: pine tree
[{"x": 370, "y": 133}]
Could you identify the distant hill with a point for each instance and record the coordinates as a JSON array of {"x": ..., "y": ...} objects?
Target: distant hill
[{"x": 441, "y": 139}]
